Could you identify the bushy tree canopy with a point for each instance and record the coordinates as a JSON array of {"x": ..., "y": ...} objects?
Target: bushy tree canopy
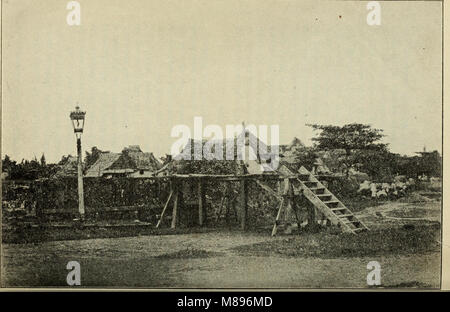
[
  {"x": 348, "y": 137},
  {"x": 355, "y": 139}
]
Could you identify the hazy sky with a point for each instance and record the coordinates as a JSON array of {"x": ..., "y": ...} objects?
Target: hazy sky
[{"x": 141, "y": 67}]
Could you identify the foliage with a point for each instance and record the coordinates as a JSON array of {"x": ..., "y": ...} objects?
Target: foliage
[
  {"x": 92, "y": 157},
  {"x": 304, "y": 156},
  {"x": 64, "y": 159},
  {"x": 380, "y": 165},
  {"x": 430, "y": 164},
  {"x": 27, "y": 170},
  {"x": 348, "y": 137},
  {"x": 43, "y": 161},
  {"x": 362, "y": 150}
]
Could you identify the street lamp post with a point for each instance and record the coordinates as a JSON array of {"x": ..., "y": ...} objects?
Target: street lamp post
[{"x": 77, "y": 118}]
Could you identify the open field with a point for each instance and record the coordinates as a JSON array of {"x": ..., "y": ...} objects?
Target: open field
[{"x": 408, "y": 251}]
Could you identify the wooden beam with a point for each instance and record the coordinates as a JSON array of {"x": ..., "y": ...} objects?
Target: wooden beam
[
  {"x": 164, "y": 209},
  {"x": 229, "y": 177},
  {"x": 220, "y": 177}
]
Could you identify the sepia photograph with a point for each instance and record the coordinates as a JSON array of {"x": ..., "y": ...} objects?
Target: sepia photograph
[{"x": 211, "y": 144}]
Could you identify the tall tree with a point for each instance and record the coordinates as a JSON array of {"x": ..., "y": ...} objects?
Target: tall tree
[
  {"x": 43, "y": 161},
  {"x": 430, "y": 164},
  {"x": 92, "y": 157},
  {"x": 64, "y": 159},
  {"x": 8, "y": 164},
  {"x": 350, "y": 138}
]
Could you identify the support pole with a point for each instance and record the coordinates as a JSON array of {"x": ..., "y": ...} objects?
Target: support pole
[
  {"x": 80, "y": 181},
  {"x": 230, "y": 202},
  {"x": 222, "y": 201},
  {"x": 201, "y": 203},
  {"x": 312, "y": 224},
  {"x": 277, "y": 219},
  {"x": 164, "y": 209},
  {"x": 284, "y": 199},
  {"x": 175, "y": 207},
  {"x": 295, "y": 208},
  {"x": 243, "y": 202}
]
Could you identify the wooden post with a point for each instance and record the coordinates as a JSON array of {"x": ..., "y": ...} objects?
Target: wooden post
[
  {"x": 175, "y": 206},
  {"x": 295, "y": 208},
  {"x": 243, "y": 202},
  {"x": 285, "y": 200},
  {"x": 233, "y": 207},
  {"x": 205, "y": 206},
  {"x": 277, "y": 219},
  {"x": 39, "y": 202},
  {"x": 288, "y": 206},
  {"x": 164, "y": 209},
  {"x": 229, "y": 202},
  {"x": 222, "y": 201},
  {"x": 201, "y": 203},
  {"x": 312, "y": 224}
]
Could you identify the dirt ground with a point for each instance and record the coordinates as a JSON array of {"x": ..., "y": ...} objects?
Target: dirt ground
[{"x": 216, "y": 259}]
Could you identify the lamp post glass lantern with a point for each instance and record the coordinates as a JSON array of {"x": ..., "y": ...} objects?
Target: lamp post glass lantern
[{"x": 78, "y": 118}]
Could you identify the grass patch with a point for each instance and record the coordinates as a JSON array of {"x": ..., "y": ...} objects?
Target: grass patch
[
  {"x": 189, "y": 254},
  {"x": 413, "y": 284},
  {"x": 35, "y": 235},
  {"x": 359, "y": 203},
  {"x": 407, "y": 240},
  {"x": 410, "y": 212}
]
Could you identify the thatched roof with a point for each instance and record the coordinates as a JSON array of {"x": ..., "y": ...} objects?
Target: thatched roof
[
  {"x": 104, "y": 161},
  {"x": 244, "y": 139},
  {"x": 185, "y": 162},
  {"x": 131, "y": 159},
  {"x": 134, "y": 158}
]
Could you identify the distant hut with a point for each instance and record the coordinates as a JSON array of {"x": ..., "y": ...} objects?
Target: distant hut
[
  {"x": 104, "y": 161},
  {"x": 132, "y": 162}
]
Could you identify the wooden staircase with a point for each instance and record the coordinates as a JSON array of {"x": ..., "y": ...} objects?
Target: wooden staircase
[
  {"x": 306, "y": 184},
  {"x": 328, "y": 204}
]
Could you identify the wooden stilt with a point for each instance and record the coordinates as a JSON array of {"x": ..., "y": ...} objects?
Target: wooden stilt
[
  {"x": 200, "y": 203},
  {"x": 295, "y": 208},
  {"x": 164, "y": 209},
  {"x": 277, "y": 219},
  {"x": 287, "y": 209},
  {"x": 222, "y": 201},
  {"x": 175, "y": 208},
  {"x": 312, "y": 224},
  {"x": 227, "y": 212},
  {"x": 243, "y": 203},
  {"x": 284, "y": 199},
  {"x": 233, "y": 206}
]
